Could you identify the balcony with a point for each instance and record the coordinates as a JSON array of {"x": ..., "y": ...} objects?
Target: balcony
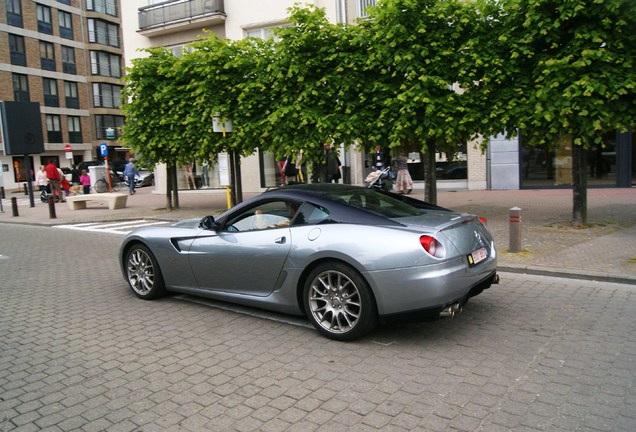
[{"x": 180, "y": 15}]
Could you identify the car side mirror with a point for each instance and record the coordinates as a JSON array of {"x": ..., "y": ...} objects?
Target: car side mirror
[{"x": 208, "y": 223}]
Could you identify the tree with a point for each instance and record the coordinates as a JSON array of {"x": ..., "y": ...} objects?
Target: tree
[
  {"x": 558, "y": 71},
  {"x": 312, "y": 78},
  {"x": 154, "y": 109},
  {"x": 416, "y": 51}
]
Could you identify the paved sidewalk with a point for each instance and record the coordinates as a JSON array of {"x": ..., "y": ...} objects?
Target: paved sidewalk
[{"x": 604, "y": 250}]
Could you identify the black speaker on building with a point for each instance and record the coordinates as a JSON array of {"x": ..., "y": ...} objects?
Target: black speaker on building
[{"x": 21, "y": 128}]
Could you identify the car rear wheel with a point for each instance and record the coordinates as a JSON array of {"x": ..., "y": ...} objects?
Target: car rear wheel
[
  {"x": 143, "y": 273},
  {"x": 338, "y": 302}
]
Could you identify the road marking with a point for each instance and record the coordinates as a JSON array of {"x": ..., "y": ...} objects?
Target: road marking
[{"x": 121, "y": 228}]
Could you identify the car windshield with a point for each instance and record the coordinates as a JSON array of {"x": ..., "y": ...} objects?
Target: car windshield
[{"x": 374, "y": 202}]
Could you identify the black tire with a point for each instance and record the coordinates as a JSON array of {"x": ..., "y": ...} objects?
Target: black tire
[
  {"x": 100, "y": 186},
  {"x": 115, "y": 183},
  {"x": 338, "y": 302},
  {"x": 143, "y": 273}
]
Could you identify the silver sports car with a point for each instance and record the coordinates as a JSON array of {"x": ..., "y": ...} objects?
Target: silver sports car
[{"x": 347, "y": 257}]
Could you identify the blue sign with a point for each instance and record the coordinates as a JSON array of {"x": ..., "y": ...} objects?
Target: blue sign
[{"x": 103, "y": 150}]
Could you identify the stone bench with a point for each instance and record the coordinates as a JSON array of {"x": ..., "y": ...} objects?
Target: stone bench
[{"x": 114, "y": 200}]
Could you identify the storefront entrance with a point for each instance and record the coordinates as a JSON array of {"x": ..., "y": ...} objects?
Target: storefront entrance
[{"x": 612, "y": 164}]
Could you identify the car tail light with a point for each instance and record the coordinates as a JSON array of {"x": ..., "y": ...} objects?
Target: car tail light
[
  {"x": 483, "y": 220},
  {"x": 430, "y": 245}
]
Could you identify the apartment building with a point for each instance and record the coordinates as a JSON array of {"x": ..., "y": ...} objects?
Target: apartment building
[{"x": 67, "y": 56}]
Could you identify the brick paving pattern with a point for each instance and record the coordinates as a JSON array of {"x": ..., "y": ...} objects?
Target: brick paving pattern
[{"x": 79, "y": 352}]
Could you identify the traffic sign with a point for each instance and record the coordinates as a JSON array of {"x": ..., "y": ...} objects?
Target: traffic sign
[{"x": 103, "y": 149}]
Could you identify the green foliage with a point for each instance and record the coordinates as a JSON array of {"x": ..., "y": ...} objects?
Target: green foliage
[
  {"x": 415, "y": 55},
  {"x": 557, "y": 69},
  {"x": 418, "y": 74}
]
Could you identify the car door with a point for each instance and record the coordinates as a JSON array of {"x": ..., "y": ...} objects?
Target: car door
[{"x": 245, "y": 256}]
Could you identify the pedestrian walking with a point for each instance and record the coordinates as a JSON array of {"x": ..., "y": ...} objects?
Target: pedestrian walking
[
  {"x": 130, "y": 171},
  {"x": 404, "y": 182},
  {"x": 85, "y": 181},
  {"x": 55, "y": 179},
  {"x": 333, "y": 166},
  {"x": 40, "y": 179}
]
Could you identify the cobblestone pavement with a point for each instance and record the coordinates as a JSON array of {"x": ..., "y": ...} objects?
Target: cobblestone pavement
[{"x": 79, "y": 352}]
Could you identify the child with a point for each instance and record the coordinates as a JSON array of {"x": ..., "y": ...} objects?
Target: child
[{"x": 85, "y": 181}]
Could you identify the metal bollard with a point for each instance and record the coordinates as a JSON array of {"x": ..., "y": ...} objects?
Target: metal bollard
[
  {"x": 2, "y": 192},
  {"x": 14, "y": 206},
  {"x": 52, "y": 214},
  {"x": 26, "y": 190},
  {"x": 515, "y": 230}
]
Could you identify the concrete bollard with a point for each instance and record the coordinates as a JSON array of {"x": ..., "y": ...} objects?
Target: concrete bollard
[
  {"x": 515, "y": 230},
  {"x": 14, "y": 206},
  {"x": 52, "y": 214}
]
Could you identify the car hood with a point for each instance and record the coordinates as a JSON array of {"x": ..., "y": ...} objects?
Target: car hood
[{"x": 187, "y": 223}]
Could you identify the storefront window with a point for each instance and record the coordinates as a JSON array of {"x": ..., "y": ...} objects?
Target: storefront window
[{"x": 542, "y": 166}]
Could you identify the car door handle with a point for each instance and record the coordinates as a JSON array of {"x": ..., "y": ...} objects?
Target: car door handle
[{"x": 280, "y": 240}]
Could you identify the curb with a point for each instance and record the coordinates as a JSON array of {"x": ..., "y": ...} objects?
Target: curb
[{"x": 569, "y": 274}]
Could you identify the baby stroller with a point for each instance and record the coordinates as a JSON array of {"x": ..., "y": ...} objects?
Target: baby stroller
[
  {"x": 46, "y": 193},
  {"x": 379, "y": 179}
]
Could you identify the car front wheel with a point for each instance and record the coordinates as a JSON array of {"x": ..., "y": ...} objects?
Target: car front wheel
[
  {"x": 143, "y": 273},
  {"x": 338, "y": 302}
]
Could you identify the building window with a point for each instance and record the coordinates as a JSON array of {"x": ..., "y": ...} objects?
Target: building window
[
  {"x": 66, "y": 24},
  {"x": 105, "y": 64},
  {"x": 66, "y": 2},
  {"x": 14, "y": 13},
  {"x": 44, "y": 19},
  {"x": 17, "y": 50},
  {"x": 74, "y": 130},
  {"x": 362, "y": 7},
  {"x": 102, "y": 32},
  {"x": 103, "y": 122},
  {"x": 106, "y": 95},
  {"x": 68, "y": 60},
  {"x": 543, "y": 166},
  {"x": 51, "y": 97},
  {"x": 262, "y": 32},
  {"x": 71, "y": 95},
  {"x": 53, "y": 129},
  {"x": 108, "y": 7},
  {"x": 20, "y": 88},
  {"x": 47, "y": 56},
  {"x": 178, "y": 50}
]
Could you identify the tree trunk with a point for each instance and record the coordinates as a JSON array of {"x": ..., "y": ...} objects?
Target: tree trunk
[
  {"x": 430, "y": 177},
  {"x": 579, "y": 185},
  {"x": 175, "y": 187},
  {"x": 168, "y": 187},
  {"x": 238, "y": 181}
]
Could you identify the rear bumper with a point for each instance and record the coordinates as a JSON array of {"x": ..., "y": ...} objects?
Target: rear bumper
[
  {"x": 433, "y": 312},
  {"x": 400, "y": 291}
]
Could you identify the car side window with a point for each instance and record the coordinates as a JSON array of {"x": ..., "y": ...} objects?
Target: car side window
[
  {"x": 273, "y": 214},
  {"x": 310, "y": 214}
]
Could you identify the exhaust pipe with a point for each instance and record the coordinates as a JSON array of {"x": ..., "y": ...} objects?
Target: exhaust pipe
[{"x": 451, "y": 310}]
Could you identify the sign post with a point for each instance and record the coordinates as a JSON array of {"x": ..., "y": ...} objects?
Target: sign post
[
  {"x": 224, "y": 126},
  {"x": 103, "y": 151}
]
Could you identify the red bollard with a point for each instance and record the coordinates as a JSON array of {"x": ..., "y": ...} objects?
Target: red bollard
[
  {"x": 14, "y": 206},
  {"x": 52, "y": 214}
]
